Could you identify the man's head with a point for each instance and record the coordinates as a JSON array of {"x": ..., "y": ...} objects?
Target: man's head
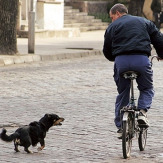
[{"x": 117, "y": 11}]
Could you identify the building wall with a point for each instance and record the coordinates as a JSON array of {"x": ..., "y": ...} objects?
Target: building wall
[{"x": 49, "y": 13}]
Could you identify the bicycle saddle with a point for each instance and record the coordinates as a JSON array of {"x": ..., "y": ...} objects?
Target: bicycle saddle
[{"x": 130, "y": 74}]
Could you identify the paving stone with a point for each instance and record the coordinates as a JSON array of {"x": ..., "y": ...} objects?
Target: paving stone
[{"x": 83, "y": 91}]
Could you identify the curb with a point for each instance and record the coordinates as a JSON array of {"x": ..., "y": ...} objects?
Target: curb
[{"x": 6, "y": 60}]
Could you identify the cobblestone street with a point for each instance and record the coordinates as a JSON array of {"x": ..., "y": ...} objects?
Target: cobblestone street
[{"x": 82, "y": 91}]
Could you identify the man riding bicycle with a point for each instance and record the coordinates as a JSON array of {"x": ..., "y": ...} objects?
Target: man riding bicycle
[{"x": 127, "y": 43}]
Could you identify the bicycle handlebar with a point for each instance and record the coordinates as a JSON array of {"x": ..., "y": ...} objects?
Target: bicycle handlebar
[{"x": 155, "y": 56}]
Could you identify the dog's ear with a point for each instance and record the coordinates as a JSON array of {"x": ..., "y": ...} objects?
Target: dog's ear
[{"x": 47, "y": 115}]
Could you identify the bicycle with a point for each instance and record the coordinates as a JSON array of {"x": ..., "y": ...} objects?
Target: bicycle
[{"x": 130, "y": 127}]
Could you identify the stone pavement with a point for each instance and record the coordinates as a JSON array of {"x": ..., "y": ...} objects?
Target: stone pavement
[
  {"x": 89, "y": 43},
  {"x": 83, "y": 92}
]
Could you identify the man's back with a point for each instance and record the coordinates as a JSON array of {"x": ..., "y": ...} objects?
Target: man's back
[{"x": 130, "y": 35}]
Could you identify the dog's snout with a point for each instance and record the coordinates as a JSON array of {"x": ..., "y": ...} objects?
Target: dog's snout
[
  {"x": 58, "y": 122},
  {"x": 62, "y": 119}
]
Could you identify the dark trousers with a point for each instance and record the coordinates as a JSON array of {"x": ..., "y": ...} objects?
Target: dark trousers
[{"x": 141, "y": 64}]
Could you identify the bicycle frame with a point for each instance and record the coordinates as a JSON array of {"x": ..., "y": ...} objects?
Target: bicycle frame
[
  {"x": 132, "y": 99},
  {"x": 130, "y": 126},
  {"x": 131, "y": 107}
]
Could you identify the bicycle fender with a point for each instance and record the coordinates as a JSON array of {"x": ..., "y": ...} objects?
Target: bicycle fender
[{"x": 125, "y": 116}]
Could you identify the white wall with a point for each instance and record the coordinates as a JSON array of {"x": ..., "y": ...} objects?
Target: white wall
[
  {"x": 50, "y": 14},
  {"x": 54, "y": 15}
]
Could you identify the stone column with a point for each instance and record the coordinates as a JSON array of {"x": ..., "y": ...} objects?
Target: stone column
[{"x": 147, "y": 9}]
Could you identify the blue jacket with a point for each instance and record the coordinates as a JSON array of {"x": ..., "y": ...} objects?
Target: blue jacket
[{"x": 132, "y": 35}]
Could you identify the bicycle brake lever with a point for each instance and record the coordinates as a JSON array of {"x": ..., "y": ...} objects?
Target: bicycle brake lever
[
  {"x": 155, "y": 56},
  {"x": 158, "y": 58}
]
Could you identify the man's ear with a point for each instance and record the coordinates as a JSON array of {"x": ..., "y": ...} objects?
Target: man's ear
[{"x": 118, "y": 13}]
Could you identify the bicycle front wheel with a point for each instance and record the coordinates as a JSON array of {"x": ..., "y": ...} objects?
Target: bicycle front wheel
[
  {"x": 142, "y": 139},
  {"x": 126, "y": 137}
]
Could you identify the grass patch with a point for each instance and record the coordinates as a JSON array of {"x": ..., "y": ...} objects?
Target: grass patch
[{"x": 103, "y": 16}]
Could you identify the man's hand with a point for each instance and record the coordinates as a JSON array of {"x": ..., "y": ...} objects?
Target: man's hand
[{"x": 158, "y": 58}]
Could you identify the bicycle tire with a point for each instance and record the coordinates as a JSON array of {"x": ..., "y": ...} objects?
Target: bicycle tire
[
  {"x": 126, "y": 140},
  {"x": 142, "y": 139}
]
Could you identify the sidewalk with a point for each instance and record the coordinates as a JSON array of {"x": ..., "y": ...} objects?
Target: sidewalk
[
  {"x": 89, "y": 43},
  {"x": 48, "y": 49}
]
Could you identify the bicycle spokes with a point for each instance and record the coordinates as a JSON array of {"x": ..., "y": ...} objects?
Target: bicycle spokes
[{"x": 127, "y": 136}]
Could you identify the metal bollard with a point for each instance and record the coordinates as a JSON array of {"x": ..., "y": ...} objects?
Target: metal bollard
[{"x": 31, "y": 32}]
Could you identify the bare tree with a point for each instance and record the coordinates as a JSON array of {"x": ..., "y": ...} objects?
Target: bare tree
[
  {"x": 8, "y": 24},
  {"x": 136, "y": 7}
]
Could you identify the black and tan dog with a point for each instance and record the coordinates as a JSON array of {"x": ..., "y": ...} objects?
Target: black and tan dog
[{"x": 33, "y": 133}]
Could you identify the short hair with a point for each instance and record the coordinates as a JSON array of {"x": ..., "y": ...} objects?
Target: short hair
[{"x": 120, "y": 8}]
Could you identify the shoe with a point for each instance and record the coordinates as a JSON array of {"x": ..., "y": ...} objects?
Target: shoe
[
  {"x": 142, "y": 119},
  {"x": 119, "y": 134}
]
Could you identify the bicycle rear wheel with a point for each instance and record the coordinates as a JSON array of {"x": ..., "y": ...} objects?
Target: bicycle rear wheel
[
  {"x": 142, "y": 139},
  {"x": 126, "y": 137},
  {"x": 128, "y": 124}
]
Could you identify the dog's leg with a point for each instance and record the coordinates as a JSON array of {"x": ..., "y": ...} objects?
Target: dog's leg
[
  {"x": 27, "y": 150},
  {"x": 16, "y": 148},
  {"x": 42, "y": 142},
  {"x": 27, "y": 144},
  {"x": 16, "y": 145}
]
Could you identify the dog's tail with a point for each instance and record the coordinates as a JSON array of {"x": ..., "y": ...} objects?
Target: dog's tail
[{"x": 8, "y": 138}]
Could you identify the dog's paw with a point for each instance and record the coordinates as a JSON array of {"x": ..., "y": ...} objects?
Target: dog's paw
[
  {"x": 30, "y": 152},
  {"x": 16, "y": 150},
  {"x": 39, "y": 148}
]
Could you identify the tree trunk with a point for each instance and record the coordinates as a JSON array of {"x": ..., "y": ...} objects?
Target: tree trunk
[
  {"x": 8, "y": 26},
  {"x": 136, "y": 7}
]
